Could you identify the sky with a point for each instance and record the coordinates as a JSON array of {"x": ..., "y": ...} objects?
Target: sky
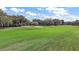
[
  {"x": 65, "y": 13},
  {"x": 62, "y": 9}
]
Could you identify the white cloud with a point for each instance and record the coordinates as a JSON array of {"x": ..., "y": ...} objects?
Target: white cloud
[
  {"x": 14, "y": 9},
  {"x": 3, "y": 8},
  {"x": 31, "y": 13},
  {"x": 39, "y": 9},
  {"x": 61, "y": 13},
  {"x": 73, "y": 17},
  {"x": 17, "y": 10},
  {"x": 45, "y": 16},
  {"x": 21, "y": 10},
  {"x": 57, "y": 11}
]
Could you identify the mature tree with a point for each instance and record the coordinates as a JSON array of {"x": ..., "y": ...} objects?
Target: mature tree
[
  {"x": 76, "y": 22},
  {"x": 20, "y": 20},
  {"x": 62, "y": 22},
  {"x": 34, "y": 23},
  {"x": 40, "y": 22},
  {"x": 56, "y": 21},
  {"x": 2, "y": 13},
  {"x": 6, "y": 21},
  {"x": 48, "y": 21}
]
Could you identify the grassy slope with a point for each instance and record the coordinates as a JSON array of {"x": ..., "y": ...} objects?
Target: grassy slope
[{"x": 40, "y": 38}]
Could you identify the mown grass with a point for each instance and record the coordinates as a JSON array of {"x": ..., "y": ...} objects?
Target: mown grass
[{"x": 40, "y": 38}]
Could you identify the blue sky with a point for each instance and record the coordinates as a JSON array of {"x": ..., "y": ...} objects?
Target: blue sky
[{"x": 66, "y": 13}]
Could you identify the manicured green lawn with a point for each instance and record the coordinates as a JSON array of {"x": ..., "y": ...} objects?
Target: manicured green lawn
[{"x": 48, "y": 38}]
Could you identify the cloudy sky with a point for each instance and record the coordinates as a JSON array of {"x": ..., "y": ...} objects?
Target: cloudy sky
[
  {"x": 69, "y": 9},
  {"x": 66, "y": 13}
]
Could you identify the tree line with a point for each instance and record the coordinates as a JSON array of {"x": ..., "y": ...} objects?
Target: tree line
[{"x": 14, "y": 21}]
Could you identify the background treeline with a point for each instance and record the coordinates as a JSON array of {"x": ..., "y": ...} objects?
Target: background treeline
[{"x": 14, "y": 21}]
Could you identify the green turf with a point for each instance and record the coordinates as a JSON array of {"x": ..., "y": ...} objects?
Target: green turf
[{"x": 48, "y": 38}]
